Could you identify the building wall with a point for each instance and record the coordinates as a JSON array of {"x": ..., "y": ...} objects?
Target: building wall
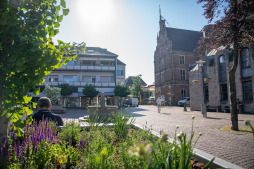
[
  {"x": 120, "y": 79},
  {"x": 214, "y": 85},
  {"x": 167, "y": 70}
]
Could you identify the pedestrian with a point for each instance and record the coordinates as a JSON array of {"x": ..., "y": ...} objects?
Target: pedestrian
[
  {"x": 239, "y": 106},
  {"x": 44, "y": 106},
  {"x": 158, "y": 101}
]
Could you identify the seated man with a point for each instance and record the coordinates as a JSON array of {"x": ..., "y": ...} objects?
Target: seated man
[{"x": 44, "y": 106}]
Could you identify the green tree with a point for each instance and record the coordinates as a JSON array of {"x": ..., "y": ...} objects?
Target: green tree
[
  {"x": 121, "y": 91},
  {"x": 235, "y": 28},
  {"x": 90, "y": 91},
  {"x": 66, "y": 90},
  {"x": 136, "y": 89},
  {"x": 53, "y": 93},
  {"x": 27, "y": 53}
]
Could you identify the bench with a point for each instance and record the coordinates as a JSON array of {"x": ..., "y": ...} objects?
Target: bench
[
  {"x": 216, "y": 108},
  {"x": 58, "y": 109},
  {"x": 226, "y": 109}
]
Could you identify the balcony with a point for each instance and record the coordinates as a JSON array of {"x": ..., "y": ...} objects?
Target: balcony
[
  {"x": 96, "y": 84},
  {"x": 88, "y": 68}
]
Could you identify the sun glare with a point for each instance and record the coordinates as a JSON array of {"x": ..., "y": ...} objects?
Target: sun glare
[{"x": 95, "y": 13}]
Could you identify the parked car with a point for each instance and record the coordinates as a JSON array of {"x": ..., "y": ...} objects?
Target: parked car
[
  {"x": 131, "y": 102},
  {"x": 185, "y": 99}
]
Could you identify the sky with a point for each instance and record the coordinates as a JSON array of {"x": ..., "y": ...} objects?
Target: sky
[{"x": 128, "y": 28}]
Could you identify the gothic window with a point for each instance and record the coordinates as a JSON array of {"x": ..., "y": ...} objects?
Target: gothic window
[
  {"x": 182, "y": 74},
  {"x": 222, "y": 69},
  {"x": 224, "y": 92},
  {"x": 245, "y": 63},
  {"x": 182, "y": 61},
  {"x": 247, "y": 90}
]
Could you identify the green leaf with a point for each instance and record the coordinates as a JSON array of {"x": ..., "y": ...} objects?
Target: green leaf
[
  {"x": 36, "y": 91},
  {"x": 29, "y": 112},
  {"x": 56, "y": 25},
  {"x": 19, "y": 123},
  {"x": 34, "y": 105},
  {"x": 66, "y": 11},
  {"x": 60, "y": 18},
  {"x": 27, "y": 99},
  {"x": 63, "y": 3},
  {"x": 208, "y": 164},
  {"x": 58, "y": 65},
  {"x": 57, "y": 9}
]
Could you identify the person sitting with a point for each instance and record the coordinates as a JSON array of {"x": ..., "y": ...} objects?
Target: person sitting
[{"x": 44, "y": 106}]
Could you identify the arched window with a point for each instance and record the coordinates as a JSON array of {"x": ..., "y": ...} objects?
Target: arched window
[
  {"x": 222, "y": 69},
  {"x": 245, "y": 63}
]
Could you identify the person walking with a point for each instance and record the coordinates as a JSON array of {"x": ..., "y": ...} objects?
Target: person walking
[
  {"x": 158, "y": 101},
  {"x": 44, "y": 106}
]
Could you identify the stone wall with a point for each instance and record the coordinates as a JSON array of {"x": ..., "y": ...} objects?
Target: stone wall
[{"x": 214, "y": 85}]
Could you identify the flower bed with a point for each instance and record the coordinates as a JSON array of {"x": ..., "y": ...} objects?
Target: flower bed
[{"x": 119, "y": 146}]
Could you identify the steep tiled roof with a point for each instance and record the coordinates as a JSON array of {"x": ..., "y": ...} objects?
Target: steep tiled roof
[
  {"x": 184, "y": 40},
  {"x": 129, "y": 81}
]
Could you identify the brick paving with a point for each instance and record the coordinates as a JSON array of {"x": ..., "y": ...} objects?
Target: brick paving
[{"x": 235, "y": 147}]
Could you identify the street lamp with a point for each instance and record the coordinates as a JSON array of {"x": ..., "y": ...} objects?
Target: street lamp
[{"x": 202, "y": 101}]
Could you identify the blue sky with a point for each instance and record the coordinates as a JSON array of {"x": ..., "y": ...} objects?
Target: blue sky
[{"x": 128, "y": 28}]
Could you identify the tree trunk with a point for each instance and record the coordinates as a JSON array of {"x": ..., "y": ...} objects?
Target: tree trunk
[
  {"x": 3, "y": 127},
  {"x": 232, "y": 86},
  {"x": 90, "y": 100}
]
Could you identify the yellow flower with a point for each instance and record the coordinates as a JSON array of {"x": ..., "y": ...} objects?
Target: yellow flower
[{"x": 104, "y": 153}]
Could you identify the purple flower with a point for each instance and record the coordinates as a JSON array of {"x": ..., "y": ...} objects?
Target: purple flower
[
  {"x": 87, "y": 143},
  {"x": 28, "y": 151},
  {"x": 81, "y": 141},
  {"x": 4, "y": 140},
  {"x": 70, "y": 142}
]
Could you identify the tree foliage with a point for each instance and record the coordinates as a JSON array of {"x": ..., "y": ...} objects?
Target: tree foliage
[
  {"x": 121, "y": 91},
  {"x": 27, "y": 52},
  {"x": 53, "y": 93},
  {"x": 66, "y": 89},
  {"x": 233, "y": 29},
  {"x": 136, "y": 89},
  {"x": 90, "y": 91}
]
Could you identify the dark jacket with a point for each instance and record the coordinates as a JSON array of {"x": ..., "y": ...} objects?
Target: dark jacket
[{"x": 47, "y": 114}]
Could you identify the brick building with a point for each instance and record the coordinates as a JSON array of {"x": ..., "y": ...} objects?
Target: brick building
[
  {"x": 174, "y": 52},
  {"x": 216, "y": 92}
]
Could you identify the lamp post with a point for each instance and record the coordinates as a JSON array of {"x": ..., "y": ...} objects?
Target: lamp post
[{"x": 202, "y": 100}]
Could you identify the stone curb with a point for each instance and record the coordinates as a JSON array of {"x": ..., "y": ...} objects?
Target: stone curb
[{"x": 201, "y": 155}]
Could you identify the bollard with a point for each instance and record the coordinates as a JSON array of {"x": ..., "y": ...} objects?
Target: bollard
[{"x": 184, "y": 106}]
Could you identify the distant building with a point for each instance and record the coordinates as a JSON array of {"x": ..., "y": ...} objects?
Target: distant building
[
  {"x": 129, "y": 82},
  {"x": 174, "y": 52},
  {"x": 120, "y": 73},
  {"x": 216, "y": 85},
  {"x": 97, "y": 66}
]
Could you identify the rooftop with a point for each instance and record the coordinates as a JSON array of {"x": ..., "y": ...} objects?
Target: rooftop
[{"x": 184, "y": 40}]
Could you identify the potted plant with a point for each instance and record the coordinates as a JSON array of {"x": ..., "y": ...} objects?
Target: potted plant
[{"x": 195, "y": 81}]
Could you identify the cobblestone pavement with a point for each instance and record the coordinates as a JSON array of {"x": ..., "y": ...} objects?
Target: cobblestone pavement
[{"x": 235, "y": 147}]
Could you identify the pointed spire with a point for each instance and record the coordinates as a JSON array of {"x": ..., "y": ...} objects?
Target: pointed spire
[{"x": 160, "y": 11}]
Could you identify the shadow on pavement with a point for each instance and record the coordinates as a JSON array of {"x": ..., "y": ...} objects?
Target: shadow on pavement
[{"x": 214, "y": 118}]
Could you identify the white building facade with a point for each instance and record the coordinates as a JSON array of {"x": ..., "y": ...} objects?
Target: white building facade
[{"x": 96, "y": 66}]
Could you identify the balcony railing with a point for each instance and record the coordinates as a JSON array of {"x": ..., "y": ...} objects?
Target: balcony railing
[
  {"x": 94, "y": 68},
  {"x": 96, "y": 84}
]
